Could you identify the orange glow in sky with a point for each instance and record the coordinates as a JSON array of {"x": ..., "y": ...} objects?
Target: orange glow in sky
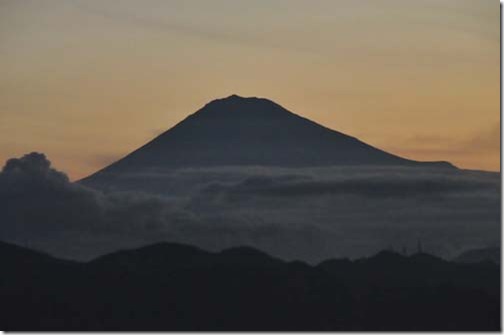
[{"x": 88, "y": 81}]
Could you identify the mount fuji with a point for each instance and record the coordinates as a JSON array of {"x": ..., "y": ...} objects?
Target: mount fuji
[{"x": 238, "y": 131}]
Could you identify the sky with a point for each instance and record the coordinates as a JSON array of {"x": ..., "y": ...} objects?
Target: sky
[{"x": 86, "y": 82}]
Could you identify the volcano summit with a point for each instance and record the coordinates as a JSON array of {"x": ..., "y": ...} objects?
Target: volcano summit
[{"x": 237, "y": 131}]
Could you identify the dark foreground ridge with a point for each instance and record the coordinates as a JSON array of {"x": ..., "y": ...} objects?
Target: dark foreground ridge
[
  {"x": 168, "y": 287},
  {"x": 238, "y": 131}
]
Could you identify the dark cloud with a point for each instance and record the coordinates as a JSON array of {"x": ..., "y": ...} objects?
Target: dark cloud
[
  {"x": 292, "y": 213},
  {"x": 486, "y": 140},
  {"x": 482, "y": 142},
  {"x": 41, "y": 208},
  {"x": 408, "y": 185},
  {"x": 354, "y": 211}
]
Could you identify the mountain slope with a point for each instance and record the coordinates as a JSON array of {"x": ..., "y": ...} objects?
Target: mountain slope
[{"x": 237, "y": 131}]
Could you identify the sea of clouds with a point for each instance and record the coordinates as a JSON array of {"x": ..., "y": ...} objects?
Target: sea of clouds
[{"x": 299, "y": 213}]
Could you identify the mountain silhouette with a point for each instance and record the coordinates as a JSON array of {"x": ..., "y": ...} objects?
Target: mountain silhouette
[
  {"x": 176, "y": 287},
  {"x": 237, "y": 131}
]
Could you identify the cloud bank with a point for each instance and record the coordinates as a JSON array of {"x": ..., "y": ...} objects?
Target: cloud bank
[{"x": 308, "y": 214}]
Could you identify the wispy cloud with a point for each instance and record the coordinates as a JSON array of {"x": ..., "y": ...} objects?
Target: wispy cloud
[
  {"x": 480, "y": 144},
  {"x": 190, "y": 29}
]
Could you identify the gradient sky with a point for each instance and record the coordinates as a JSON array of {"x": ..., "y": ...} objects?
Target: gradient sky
[{"x": 88, "y": 81}]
